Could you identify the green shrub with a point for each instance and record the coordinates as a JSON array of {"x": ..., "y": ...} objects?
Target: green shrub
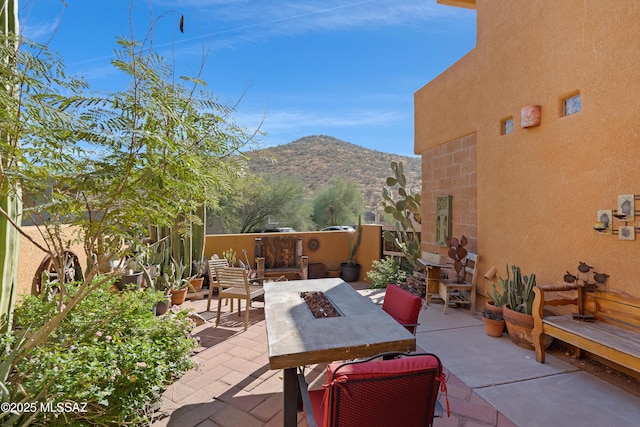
[
  {"x": 110, "y": 351},
  {"x": 385, "y": 271}
]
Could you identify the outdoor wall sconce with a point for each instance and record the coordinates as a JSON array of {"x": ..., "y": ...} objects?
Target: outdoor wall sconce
[
  {"x": 491, "y": 273},
  {"x": 626, "y": 213},
  {"x": 530, "y": 116}
]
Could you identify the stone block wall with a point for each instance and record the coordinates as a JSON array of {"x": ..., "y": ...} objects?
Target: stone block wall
[{"x": 450, "y": 170}]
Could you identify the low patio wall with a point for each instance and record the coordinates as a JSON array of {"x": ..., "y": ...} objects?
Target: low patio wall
[
  {"x": 31, "y": 256},
  {"x": 332, "y": 250},
  {"x": 333, "y": 246}
]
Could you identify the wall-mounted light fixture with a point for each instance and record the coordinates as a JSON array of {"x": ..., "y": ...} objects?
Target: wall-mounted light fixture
[{"x": 491, "y": 273}]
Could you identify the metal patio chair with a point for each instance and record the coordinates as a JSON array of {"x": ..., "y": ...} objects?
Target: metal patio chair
[{"x": 399, "y": 390}]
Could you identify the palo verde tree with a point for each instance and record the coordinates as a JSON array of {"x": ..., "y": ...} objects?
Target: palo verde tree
[{"x": 107, "y": 166}]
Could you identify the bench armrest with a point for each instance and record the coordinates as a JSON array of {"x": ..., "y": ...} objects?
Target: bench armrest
[{"x": 539, "y": 303}]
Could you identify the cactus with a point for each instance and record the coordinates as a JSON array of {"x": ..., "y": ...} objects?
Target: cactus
[
  {"x": 183, "y": 241},
  {"x": 198, "y": 235},
  {"x": 10, "y": 197},
  {"x": 520, "y": 291},
  {"x": 405, "y": 211},
  {"x": 353, "y": 246},
  {"x": 499, "y": 298}
]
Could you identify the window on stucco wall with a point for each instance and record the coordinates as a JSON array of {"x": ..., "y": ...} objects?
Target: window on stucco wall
[
  {"x": 506, "y": 126},
  {"x": 572, "y": 105}
]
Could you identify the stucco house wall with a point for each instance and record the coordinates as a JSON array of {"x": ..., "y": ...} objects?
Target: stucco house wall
[{"x": 539, "y": 188}]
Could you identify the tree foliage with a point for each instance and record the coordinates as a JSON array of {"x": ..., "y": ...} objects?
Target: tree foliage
[
  {"x": 109, "y": 164},
  {"x": 257, "y": 203},
  {"x": 338, "y": 204}
]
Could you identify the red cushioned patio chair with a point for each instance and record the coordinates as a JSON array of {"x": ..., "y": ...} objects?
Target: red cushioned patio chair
[
  {"x": 403, "y": 306},
  {"x": 399, "y": 390}
]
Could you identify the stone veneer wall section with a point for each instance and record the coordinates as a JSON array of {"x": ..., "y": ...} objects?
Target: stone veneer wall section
[{"x": 450, "y": 169}]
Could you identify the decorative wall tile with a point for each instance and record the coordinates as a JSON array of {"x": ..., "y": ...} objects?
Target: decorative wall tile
[{"x": 530, "y": 116}]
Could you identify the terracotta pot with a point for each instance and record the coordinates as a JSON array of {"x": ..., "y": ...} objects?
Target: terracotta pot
[
  {"x": 520, "y": 328},
  {"x": 491, "y": 306},
  {"x": 197, "y": 284},
  {"x": 494, "y": 328},
  {"x": 178, "y": 296}
]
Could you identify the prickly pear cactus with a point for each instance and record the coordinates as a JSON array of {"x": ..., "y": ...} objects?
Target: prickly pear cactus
[{"x": 406, "y": 211}]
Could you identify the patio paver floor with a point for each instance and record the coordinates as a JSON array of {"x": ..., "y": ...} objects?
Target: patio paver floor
[{"x": 233, "y": 386}]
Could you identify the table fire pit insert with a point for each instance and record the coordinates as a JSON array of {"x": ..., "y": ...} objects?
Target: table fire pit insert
[{"x": 319, "y": 304}]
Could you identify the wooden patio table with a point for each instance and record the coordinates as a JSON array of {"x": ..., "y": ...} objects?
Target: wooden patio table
[{"x": 296, "y": 338}]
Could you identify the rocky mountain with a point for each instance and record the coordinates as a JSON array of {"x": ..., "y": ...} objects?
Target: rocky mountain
[{"x": 317, "y": 160}]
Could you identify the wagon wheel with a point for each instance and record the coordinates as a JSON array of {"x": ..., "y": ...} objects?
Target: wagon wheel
[{"x": 72, "y": 271}]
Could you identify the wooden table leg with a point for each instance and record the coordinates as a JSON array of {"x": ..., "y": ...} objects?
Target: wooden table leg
[{"x": 291, "y": 394}]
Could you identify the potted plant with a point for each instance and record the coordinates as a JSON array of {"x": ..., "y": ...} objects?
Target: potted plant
[
  {"x": 493, "y": 322},
  {"x": 230, "y": 256},
  {"x": 350, "y": 270},
  {"x": 518, "y": 308},
  {"x": 129, "y": 280},
  {"x": 333, "y": 270},
  {"x": 177, "y": 285},
  {"x": 196, "y": 282},
  {"x": 497, "y": 299}
]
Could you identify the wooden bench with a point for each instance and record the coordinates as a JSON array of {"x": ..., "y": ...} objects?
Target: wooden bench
[
  {"x": 614, "y": 335},
  {"x": 280, "y": 255}
]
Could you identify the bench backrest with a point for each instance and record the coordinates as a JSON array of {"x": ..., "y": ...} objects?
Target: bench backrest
[
  {"x": 615, "y": 310},
  {"x": 279, "y": 251},
  {"x": 607, "y": 307}
]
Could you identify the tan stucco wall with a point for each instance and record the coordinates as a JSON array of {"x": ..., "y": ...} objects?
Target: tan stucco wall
[
  {"x": 31, "y": 256},
  {"x": 333, "y": 249},
  {"x": 539, "y": 188}
]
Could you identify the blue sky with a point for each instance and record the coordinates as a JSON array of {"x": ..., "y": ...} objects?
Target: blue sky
[{"x": 343, "y": 68}]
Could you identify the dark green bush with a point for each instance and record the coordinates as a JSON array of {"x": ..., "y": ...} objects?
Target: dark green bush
[
  {"x": 385, "y": 271},
  {"x": 110, "y": 352}
]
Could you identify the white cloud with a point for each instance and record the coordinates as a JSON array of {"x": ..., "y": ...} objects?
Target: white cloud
[
  {"x": 40, "y": 31},
  {"x": 242, "y": 20},
  {"x": 298, "y": 119}
]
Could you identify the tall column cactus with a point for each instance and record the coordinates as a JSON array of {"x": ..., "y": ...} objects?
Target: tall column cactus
[
  {"x": 184, "y": 247},
  {"x": 10, "y": 201},
  {"x": 198, "y": 234}
]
